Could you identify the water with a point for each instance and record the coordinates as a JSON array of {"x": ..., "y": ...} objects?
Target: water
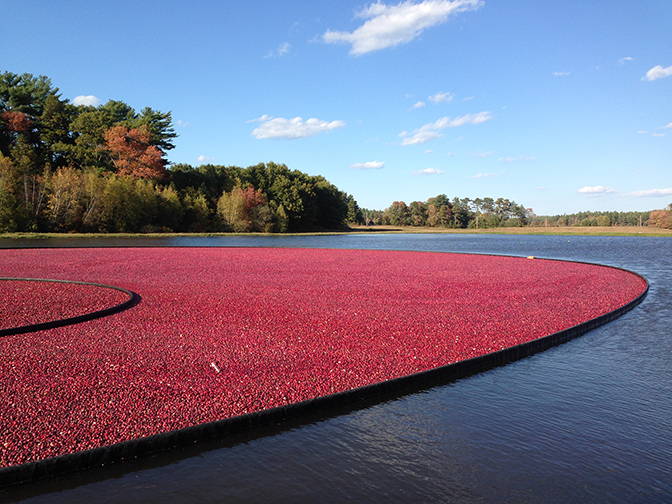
[{"x": 588, "y": 421}]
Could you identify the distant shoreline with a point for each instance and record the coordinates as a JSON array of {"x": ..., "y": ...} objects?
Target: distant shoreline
[{"x": 527, "y": 230}]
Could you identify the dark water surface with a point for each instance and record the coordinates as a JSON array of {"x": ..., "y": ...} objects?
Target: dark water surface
[{"x": 588, "y": 421}]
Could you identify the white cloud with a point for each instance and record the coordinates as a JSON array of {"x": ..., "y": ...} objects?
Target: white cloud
[
  {"x": 658, "y": 134},
  {"x": 289, "y": 129},
  {"x": 651, "y": 192},
  {"x": 205, "y": 159},
  {"x": 181, "y": 123},
  {"x": 429, "y": 131},
  {"x": 657, "y": 72},
  {"x": 369, "y": 165},
  {"x": 483, "y": 175},
  {"x": 623, "y": 60},
  {"x": 469, "y": 98},
  {"x": 420, "y": 104},
  {"x": 668, "y": 126},
  {"x": 510, "y": 159},
  {"x": 642, "y": 132},
  {"x": 441, "y": 97},
  {"x": 282, "y": 49},
  {"x": 428, "y": 151},
  {"x": 420, "y": 138},
  {"x": 481, "y": 154},
  {"x": 561, "y": 74},
  {"x": 596, "y": 190},
  {"x": 391, "y": 25},
  {"x": 86, "y": 100},
  {"x": 428, "y": 171}
]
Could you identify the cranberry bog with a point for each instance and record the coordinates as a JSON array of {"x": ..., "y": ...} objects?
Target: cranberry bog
[{"x": 156, "y": 347}]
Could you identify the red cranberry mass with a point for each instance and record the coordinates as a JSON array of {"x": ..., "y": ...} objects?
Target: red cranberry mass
[{"x": 222, "y": 332}]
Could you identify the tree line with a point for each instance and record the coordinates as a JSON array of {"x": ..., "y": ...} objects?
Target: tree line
[
  {"x": 655, "y": 218},
  {"x": 441, "y": 211},
  {"x": 465, "y": 213},
  {"x": 66, "y": 168}
]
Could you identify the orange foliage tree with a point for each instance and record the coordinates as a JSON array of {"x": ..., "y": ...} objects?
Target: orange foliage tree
[
  {"x": 132, "y": 154},
  {"x": 16, "y": 121},
  {"x": 245, "y": 210},
  {"x": 661, "y": 219}
]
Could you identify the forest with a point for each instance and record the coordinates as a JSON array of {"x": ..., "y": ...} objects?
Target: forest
[
  {"x": 104, "y": 169},
  {"x": 68, "y": 168}
]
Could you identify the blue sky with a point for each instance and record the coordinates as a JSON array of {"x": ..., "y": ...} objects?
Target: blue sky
[{"x": 562, "y": 106}]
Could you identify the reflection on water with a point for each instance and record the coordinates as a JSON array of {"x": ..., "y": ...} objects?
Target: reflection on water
[{"x": 588, "y": 421}]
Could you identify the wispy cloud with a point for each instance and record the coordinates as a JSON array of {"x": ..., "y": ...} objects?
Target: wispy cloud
[
  {"x": 181, "y": 123},
  {"x": 623, "y": 60},
  {"x": 428, "y": 171},
  {"x": 205, "y": 159},
  {"x": 561, "y": 74},
  {"x": 642, "y": 132},
  {"x": 429, "y": 131},
  {"x": 290, "y": 129},
  {"x": 428, "y": 151},
  {"x": 483, "y": 154},
  {"x": 469, "y": 98},
  {"x": 668, "y": 126},
  {"x": 441, "y": 98},
  {"x": 369, "y": 165},
  {"x": 484, "y": 175},
  {"x": 657, "y": 72},
  {"x": 86, "y": 100},
  {"x": 280, "y": 51},
  {"x": 420, "y": 104},
  {"x": 596, "y": 190},
  {"x": 658, "y": 134},
  {"x": 419, "y": 137},
  {"x": 651, "y": 193},
  {"x": 511, "y": 159},
  {"x": 391, "y": 25}
]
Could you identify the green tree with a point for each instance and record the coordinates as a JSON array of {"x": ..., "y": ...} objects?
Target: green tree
[
  {"x": 418, "y": 213},
  {"x": 128, "y": 205},
  {"x": 25, "y": 93},
  {"x": 64, "y": 200},
  {"x": 54, "y": 131},
  {"x": 171, "y": 211},
  {"x": 603, "y": 220},
  {"x": 355, "y": 215},
  {"x": 398, "y": 214},
  {"x": 460, "y": 212},
  {"x": 196, "y": 211},
  {"x": 159, "y": 125},
  {"x": 329, "y": 205},
  {"x": 10, "y": 212}
]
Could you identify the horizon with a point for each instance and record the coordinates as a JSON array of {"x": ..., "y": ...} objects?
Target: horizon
[{"x": 563, "y": 108}]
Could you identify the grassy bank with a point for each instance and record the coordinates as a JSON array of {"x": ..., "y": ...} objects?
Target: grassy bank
[{"x": 568, "y": 230}]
